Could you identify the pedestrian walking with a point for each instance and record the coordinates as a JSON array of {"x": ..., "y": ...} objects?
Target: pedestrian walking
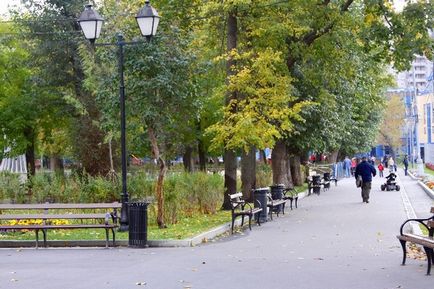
[
  {"x": 347, "y": 167},
  {"x": 353, "y": 166},
  {"x": 380, "y": 169},
  {"x": 391, "y": 164},
  {"x": 405, "y": 162},
  {"x": 366, "y": 171}
]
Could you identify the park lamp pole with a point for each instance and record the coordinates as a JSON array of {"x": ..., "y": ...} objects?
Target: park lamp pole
[{"x": 91, "y": 22}]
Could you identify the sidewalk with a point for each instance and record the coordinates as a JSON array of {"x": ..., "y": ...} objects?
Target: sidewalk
[{"x": 332, "y": 241}]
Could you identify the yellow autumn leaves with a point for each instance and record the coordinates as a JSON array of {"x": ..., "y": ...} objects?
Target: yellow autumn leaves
[{"x": 264, "y": 108}]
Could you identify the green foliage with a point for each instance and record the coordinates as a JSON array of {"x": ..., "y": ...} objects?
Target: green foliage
[
  {"x": 185, "y": 194},
  {"x": 11, "y": 188},
  {"x": 264, "y": 176}
]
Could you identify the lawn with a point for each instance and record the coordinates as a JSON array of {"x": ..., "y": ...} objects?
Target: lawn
[{"x": 184, "y": 229}]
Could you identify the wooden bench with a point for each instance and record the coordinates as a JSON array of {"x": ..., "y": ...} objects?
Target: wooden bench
[
  {"x": 240, "y": 207},
  {"x": 427, "y": 242},
  {"x": 275, "y": 205},
  {"x": 49, "y": 212},
  {"x": 291, "y": 194}
]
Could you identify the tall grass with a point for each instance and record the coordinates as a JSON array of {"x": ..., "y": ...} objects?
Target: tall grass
[{"x": 185, "y": 194}]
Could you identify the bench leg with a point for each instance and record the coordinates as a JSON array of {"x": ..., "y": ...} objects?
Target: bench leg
[
  {"x": 242, "y": 221},
  {"x": 283, "y": 208},
  {"x": 296, "y": 201},
  {"x": 429, "y": 253},
  {"x": 44, "y": 232},
  {"x": 37, "y": 238},
  {"x": 404, "y": 251},
  {"x": 271, "y": 213},
  {"x": 250, "y": 221},
  {"x": 257, "y": 218},
  {"x": 233, "y": 222}
]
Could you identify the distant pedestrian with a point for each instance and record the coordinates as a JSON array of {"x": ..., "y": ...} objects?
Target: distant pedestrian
[
  {"x": 380, "y": 169},
  {"x": 353, "y": 166},
  {"x": 366, "y": 171},
  {"x": 405, "y": 162},
  {"x": 347, "y": 167},
  {"x": 391, "y": 164}
]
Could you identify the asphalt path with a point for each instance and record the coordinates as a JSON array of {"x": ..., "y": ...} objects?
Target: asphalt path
[{"x": 332, "y": 241}]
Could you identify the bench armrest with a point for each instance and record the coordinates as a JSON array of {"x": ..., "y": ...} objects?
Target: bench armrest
[{"x": 421, "y": 221}]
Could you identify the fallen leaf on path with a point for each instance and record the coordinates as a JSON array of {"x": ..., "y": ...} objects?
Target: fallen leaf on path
[{"x": 140, "y": 283}]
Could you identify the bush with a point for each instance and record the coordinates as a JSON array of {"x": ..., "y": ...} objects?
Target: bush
[
  {"x": 264, "y": 176},
  {"x": 12, "y": 189},
  {"x": 184, "y": 194}
]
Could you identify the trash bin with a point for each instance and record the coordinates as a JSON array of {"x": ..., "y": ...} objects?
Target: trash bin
[
  {"x": 326, "y": 180},
  {"x": 260, "y": 195},
  {"x": 138, "y": 224},
  {"x": 316, "y": 184},
  {"x": 277, "y": 191},
  {"x": 277, "y": 194}
]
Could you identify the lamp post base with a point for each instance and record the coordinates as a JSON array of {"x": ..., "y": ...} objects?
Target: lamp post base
[
  {"x": 420, "y": 168},
  {"x": 123, "y": 228}
]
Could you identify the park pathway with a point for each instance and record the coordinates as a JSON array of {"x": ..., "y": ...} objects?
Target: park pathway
[{"x": 332, "y": 241}]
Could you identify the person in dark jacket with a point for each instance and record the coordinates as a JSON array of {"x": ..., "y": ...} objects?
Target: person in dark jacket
[
  {"x": 366, "y": 171},
  {"x": 405, "y": 161}
]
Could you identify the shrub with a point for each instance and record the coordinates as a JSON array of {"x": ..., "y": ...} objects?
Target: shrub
[
  {"x": 264, "y": 176},
  {"x": 185, "y": 194}
]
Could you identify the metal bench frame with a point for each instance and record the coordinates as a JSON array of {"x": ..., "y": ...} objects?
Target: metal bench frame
[{"x": 427, "y": 242}]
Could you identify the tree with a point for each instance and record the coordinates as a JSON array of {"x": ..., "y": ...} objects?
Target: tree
[
  {"x": 55, "y": 37},
  {"x": 393, "y": 121}
]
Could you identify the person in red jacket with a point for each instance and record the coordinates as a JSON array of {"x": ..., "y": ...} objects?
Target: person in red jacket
[{"x": 380, "y": 169}]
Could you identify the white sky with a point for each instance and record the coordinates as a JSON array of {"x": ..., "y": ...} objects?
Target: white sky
[{"x": 4, "y": 5}]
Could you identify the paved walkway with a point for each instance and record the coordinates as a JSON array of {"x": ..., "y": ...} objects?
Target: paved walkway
[{"x": 332, "y": 241}]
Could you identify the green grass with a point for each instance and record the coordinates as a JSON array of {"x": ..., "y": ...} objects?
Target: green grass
[
  {"x": 184, "y": 229},
  {"x": 429, "y": 171}
]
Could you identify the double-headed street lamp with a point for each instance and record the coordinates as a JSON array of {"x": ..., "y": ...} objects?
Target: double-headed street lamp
[{"x": 91, "y": 22}]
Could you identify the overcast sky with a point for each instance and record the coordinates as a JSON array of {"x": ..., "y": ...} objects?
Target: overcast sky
[{"x": 4, "y": 5}]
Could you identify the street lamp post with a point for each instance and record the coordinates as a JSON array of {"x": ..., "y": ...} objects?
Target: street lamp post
[{"x": 91, "y": 23}]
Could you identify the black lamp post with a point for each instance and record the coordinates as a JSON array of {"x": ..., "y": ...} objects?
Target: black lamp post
[{"x": 91, "y": 22}]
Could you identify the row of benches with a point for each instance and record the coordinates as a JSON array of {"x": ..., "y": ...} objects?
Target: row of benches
[
  {"x": 241, "y": 208},
  {"x": 106, "y": 218}
]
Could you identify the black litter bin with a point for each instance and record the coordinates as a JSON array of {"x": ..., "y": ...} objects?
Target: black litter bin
[
  {"x": 316, "y": 184},
  {"x": 138, "y": 224},
  {"x": 277, "y": 194},
  {"x": 260, "y": 199},
  {"x": 326, "y": 180}
]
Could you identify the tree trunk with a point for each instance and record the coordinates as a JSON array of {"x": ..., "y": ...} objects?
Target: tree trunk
[
  {"x": 288, "y": 170},
  {"x": 30, "y": 151},
  {"x": 248, "y": 173},
  {"x": 56, "y": 165},
  {"x": 296, "y": 173},
  {"x": 160, "y": 180},
  {"x": 187, "y": 159},
  {"x": 230, "y": 160},
  {"x": 202, "y": 156},
  {"x": 279, "y": 164},
  {"x": 333, "y": 157}
]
